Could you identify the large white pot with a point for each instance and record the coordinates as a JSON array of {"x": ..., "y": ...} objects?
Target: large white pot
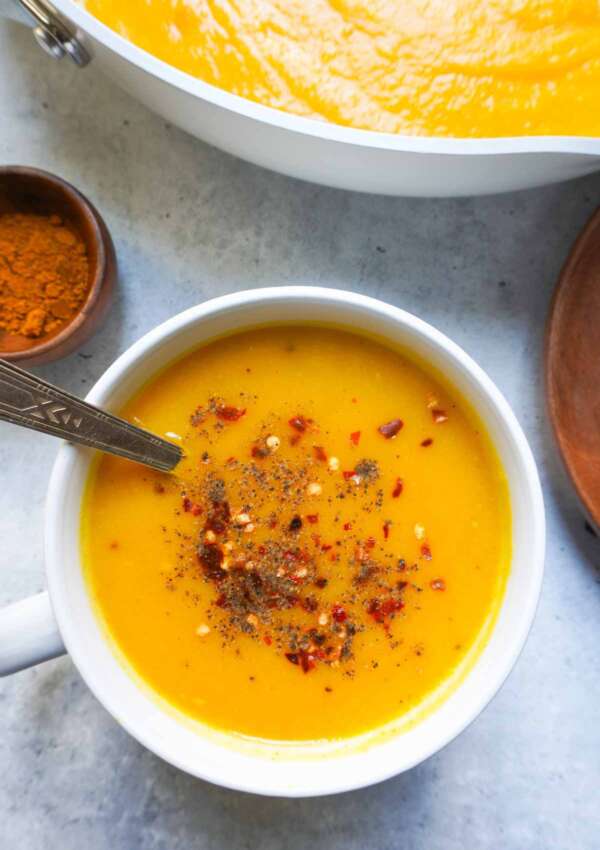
[
  {"x": 326, "y": 153},
  {"x": 31, "y": 630}
]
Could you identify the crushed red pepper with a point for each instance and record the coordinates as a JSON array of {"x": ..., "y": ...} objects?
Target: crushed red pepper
[
  {"x": 390, "y": 429},
  {"x": 398, "y": 488}
]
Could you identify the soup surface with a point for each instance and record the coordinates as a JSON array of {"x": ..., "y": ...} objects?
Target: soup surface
[
  {"x": 431, "y": 67},
  {"x": 332, "y": 550}
]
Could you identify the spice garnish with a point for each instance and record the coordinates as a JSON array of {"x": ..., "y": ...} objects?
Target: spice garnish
[
  {"x": 228, "y": 413},
  {"x": 273, "y": 585},
  {"x": 44, "y": 274},
  {"x": 339, "y": 614},
  {"x": 320, "y": 453},
  {"x": 300, "y": 423},
  {"x": 367, "y": 470},
  {"x": 427, "y": 442},
  {"x": 438, "y": 584},
  {"x": 391, "y": 428},
  {"x": 439, "y": 416},
  {"x": 191, "y": 507}
]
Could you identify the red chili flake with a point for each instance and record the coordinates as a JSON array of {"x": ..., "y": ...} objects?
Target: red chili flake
[
  {"x": 427, "y": 442},
  {"x": 219, "y": 517},
  {"x": 307, "y": 661},
  {"x": 438, "y": 584},
  {"x": 321, "y": 582},
  {"x": 338, "y": 614},
  {"x": 299, "y": 423},
  {"x": 380, "y": 610},
  {"x": 320, "y": 453},
  {"x": 211, "y": 557},
  {"x": 312, "y": 518},
  {"x": 347, "y": 526},
  {"x": 302, "y": 658},
  {"x": 262, "y": 550},
  {"x": 426, "y": 551},
  {"x": 326, "y": 547},
  {"x": 398, "y": 488},
  {"x": 273, "y": 523},
  {"x": 370, "y": 542},
  {"x": 386, "y": 528},
  {"x": 391, "y": 428},
  {"x": 260, "y": 450},
  {"x": 268, "y": 639},
  {"x": 191, "y": 507},
  {"x": 355, "y": 438},
  {"x": 439, "y": 416},
  {"x": 316, "y": 538},
  {"x": 230, "y": 414},
  {"x": 334, "y": 557},
  {"x": 348, "y": 474}
]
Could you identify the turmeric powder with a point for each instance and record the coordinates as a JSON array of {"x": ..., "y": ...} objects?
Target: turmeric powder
[{"x": 44, "y": 275}]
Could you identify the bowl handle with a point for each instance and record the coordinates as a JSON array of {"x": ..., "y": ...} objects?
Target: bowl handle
[{"x": 28, "y": 634}]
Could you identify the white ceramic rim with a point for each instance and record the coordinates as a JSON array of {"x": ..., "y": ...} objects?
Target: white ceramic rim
[
  {"x": 307, "y": 126},
  {"x": 383, "y": 760}
]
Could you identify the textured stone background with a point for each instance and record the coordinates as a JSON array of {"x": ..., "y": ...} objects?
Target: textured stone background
[{"x": 190, "y": 222}]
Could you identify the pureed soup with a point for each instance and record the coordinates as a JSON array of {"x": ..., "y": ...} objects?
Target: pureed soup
[
  {"x": 333, "y": 550},
  {"x": 465, "y": 68}
]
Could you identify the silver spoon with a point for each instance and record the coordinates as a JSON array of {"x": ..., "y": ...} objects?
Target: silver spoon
[{"x": 28, "y": 401}]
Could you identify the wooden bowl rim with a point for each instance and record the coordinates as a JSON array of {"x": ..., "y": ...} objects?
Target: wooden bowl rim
[
  {"x": 591, "y": 228},
  {"x": 100, "y": 237}
]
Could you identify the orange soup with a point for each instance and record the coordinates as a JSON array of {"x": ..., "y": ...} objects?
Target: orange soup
[
  {"x": 332, "y": 551},
  {"x": 462, "y": 68}
]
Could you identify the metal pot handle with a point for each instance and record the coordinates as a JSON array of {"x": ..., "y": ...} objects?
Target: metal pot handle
[
  {"x": 53, "y": 33},
  {"x": 28, "y": 634}
]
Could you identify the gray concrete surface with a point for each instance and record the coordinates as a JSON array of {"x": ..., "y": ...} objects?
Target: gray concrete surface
[{"x": 190, "y": 222}]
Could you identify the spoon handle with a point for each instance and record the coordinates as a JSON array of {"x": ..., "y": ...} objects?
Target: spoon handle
[{"x": 28, "y": 401}]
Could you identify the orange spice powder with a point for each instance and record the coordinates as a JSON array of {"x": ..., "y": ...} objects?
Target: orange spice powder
[{"x": 44, "y": 274}]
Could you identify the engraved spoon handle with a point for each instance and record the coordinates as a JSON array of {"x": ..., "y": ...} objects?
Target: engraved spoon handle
[{"x": 27, "y": 400}]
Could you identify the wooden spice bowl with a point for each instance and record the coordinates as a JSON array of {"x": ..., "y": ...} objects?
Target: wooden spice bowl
[
  {"x": 35, "y": 191},
  {"x": 572, "y": 365}
]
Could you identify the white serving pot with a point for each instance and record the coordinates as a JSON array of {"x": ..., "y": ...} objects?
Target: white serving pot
[
  {"x": 338, "y": 156},
  {"x": 35, "y": 629}
]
